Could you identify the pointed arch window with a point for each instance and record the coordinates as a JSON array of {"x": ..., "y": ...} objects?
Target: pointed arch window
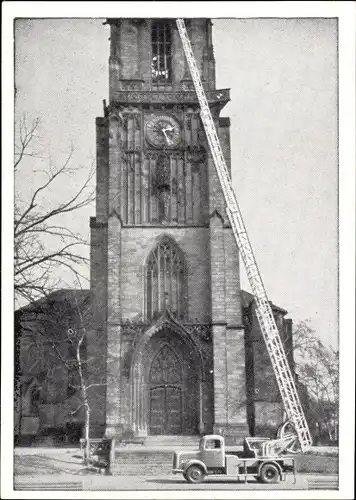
[
  {"x": 166, "y": 287},
  {"x": 161, "y": 51}
]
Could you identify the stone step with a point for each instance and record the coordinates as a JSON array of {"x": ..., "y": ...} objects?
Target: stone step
[
  {"x": 153, "y": 456},
  {"x": 142, "y": 471},
  {"x": 163, "y": 441},
  {"x": 173, "y": 439},
  {"x": 142, "y": 462}
]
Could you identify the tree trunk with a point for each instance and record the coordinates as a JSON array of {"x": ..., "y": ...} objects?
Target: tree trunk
[
  {"x": 86, "y": 433},
  {"x": 86, "y": 403}
]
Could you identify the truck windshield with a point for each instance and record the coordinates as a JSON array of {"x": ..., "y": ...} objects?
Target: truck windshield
[
  {"x": 209, "y": 444},
  {"x": 212, "y": 444}
]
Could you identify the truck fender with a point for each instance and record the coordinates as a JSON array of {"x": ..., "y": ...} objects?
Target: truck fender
[
  {"x": 270, "y": 462},
  {"x": 194, "y": 461}
]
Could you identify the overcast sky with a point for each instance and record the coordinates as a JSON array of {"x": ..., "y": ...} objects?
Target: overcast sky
[{"x": 283, "y": 79}]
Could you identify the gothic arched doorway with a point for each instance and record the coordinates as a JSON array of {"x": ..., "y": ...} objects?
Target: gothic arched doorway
[
  {"x": 166, "y": 383},
  {"x": 165, "y": 393}
]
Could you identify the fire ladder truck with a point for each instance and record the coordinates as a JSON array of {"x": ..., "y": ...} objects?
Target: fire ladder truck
[{"x": 295, "y": 432}]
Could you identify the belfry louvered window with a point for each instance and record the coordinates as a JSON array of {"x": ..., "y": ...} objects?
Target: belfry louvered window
[
  {"x": 165, "y": 281},
  {"x": 161, "y": 52}
]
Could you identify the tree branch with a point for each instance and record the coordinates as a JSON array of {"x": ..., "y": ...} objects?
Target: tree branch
[{"x": 41, "y": 242}]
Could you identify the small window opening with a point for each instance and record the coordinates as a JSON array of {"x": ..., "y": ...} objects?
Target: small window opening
[{"x": 161, "y": 52}]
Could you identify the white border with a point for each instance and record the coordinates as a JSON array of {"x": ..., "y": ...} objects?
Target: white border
[{"x": 345, "y": 11}]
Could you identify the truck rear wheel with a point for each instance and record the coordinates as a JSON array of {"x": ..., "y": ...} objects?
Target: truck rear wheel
[
  {"x": 269, "y": 474},
  {"x": 194, "y": 474}
]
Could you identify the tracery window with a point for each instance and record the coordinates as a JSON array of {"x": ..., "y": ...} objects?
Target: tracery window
[
  {"x": 161, "y": 52},
  {"x": 165, "y": 368},
  {"x": 165, "y": 281}
]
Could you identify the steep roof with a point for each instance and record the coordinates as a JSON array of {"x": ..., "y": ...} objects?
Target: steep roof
[
  {"x": 59, "y": 295},
  {"x": 247, "y": 298}
]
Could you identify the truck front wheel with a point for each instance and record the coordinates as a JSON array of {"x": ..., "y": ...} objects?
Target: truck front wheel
[
  {"x": 194, "y": 474},
  {"x": 269, "y": 473}
]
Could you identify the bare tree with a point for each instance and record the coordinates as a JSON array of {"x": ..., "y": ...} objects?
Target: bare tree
[
  {"x": 59, "y": 350},
  {"x": 87, "y": 377},
  {"x": 317, "y": 366},
  {"x": 44, "y": 248}
]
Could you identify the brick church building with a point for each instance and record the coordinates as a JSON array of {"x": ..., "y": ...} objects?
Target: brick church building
[{"x": 176, "y": 339}]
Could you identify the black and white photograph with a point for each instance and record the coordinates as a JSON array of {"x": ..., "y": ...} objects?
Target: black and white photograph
[{"x": 178, "y": 256}]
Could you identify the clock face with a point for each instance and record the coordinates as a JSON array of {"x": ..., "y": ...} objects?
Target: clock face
[{"x": 163, "y": 131}]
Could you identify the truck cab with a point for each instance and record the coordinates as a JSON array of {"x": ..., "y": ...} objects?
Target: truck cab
[
  {"x": 210, "y": 455},
  {"x": 212, "y": 451}
]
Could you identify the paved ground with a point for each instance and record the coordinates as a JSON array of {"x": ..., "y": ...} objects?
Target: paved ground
[
  {"x": 47, "y": 461},
  {"x": 127, "y": 483}
]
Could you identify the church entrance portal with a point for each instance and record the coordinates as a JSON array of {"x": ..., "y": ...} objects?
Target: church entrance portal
[{"x": 167, "y": 385}]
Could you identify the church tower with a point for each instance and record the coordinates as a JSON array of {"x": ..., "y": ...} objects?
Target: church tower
[{"x": 164, "y": 264}]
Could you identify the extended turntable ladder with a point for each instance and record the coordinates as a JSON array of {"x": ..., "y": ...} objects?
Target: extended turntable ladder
[{"x": 266, "y": 320}]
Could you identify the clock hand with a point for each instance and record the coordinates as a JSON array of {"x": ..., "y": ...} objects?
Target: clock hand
[
  {"x": 166, "y": 136},
  {"x": 168, "y": 129}
]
